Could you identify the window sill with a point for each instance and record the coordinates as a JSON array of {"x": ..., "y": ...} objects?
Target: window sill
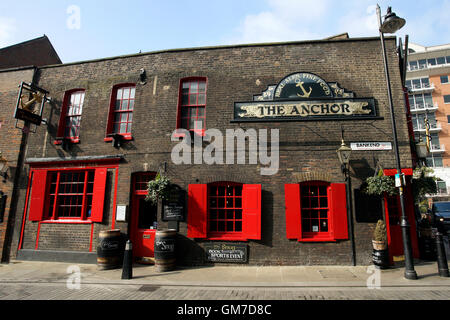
[
  {"x": 183, "y": 134},
  {"x": 58, "y": 142},
  {"x": 216, "y": 237},
  {"x": 124, "y": 137},
  {"x": 317, "y": 238},
  {"x": 67, "y": 221}
]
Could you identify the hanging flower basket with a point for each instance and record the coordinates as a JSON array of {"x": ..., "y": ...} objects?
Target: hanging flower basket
[
  {"x": 158, "y": 189},
  {"x": 380, "y": 185}
]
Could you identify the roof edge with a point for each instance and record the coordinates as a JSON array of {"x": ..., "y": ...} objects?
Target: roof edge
[{"x": 268, "y": 44}]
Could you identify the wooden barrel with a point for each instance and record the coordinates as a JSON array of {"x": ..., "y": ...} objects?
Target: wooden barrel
[
  {"x": 165, "y": 250},
  {"x": 380, "y": 258},
  {"x": 109, "y": 249}
]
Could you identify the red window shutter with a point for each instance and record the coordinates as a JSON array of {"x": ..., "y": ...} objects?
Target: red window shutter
[
  {"x": 251, "y": 211},
  {"x": 98, "y": 199},
  {"x": 293, "y": 211},
  {"x": 338, "y": 204},
  {"x": 197, "y": 211},
  {"x": 38, "y": 191},
  {"x": 112, "y": 106}
]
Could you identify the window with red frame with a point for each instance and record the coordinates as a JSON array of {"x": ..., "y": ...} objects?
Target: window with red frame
[
  {"x": 192, "y": 105},
  {"x": 70, "y": 194},
  {"x": 225, "y": 208},
  {"x": 121, "y": 115},
  {"x": 224, "y": 211},
  {"x": 70, "y": 119},
  {"x": 73, "y": 115},
  {"x": 316, "y": 211},
  {"x": 66, "y": 194}
]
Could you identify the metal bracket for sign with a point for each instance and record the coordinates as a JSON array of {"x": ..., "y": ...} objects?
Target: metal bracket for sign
[{"x": 38, "y": 116}]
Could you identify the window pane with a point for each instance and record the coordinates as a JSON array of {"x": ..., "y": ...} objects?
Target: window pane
[
  {"x": 422, "y": 63},
  {"x": 432, "y": 61},
  {"x": 447, "y": 98},
  {"x": 448, "y": 59},
  {"x": 119, "y": 94},
  {"x": 126, "y": 93},
  {"x": 440, "y": 60},
  {"x": 202, "y": 87},
  {"x": 201, "y": 99},
  {"x": 194, "y": 87},
  {"x": 193, "y": 99},
  {"x": 132, "y": 93},
  {"x": 131, "y": 105},
  {"x": 444, "y": 79},
  {"x": 185, "y": 99}
]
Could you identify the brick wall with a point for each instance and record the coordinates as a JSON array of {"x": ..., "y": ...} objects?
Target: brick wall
[
  {"x": 10, "y": 140},
  {"x": 235, "y": 74}
]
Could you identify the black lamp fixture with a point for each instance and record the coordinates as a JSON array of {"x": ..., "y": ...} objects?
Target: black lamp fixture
[
  {"x": 344, "y": 153},
  {"x": 142, "y": 76},
  {"x": 391, "y": 24},
  {"x": 3, "y": 167}
]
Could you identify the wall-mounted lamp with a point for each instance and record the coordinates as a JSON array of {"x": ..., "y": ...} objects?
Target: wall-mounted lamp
[
  {"x": 143, "y": 76},
  {"x": 3, "y": 167},
  {"x": 117, "y": 138}
]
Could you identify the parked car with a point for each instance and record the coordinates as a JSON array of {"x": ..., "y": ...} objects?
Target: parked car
[{"x": 441, "y": 216}]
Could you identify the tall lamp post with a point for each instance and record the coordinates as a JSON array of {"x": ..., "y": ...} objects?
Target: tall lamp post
[
  {"x": 391, "y": 24},
  {"x": 344, "y": 153}
]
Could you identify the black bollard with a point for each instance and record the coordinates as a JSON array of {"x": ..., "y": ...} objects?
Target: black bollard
[
  {"x": 441, "y": 256},
  {"x": 127, "y": 271}
]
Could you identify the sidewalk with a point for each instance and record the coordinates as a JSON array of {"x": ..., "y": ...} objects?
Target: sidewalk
[{"x": 227, "y": 276}]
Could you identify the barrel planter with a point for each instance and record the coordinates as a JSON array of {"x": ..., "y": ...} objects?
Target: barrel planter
[
  {"x": 380, "y": 254},
  {"x": 380, "y": 258},
  {"x": 109, "y": 249},
  {"x": 165, "y": 259}
]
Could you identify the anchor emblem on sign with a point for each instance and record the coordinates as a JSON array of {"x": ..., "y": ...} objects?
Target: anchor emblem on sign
[{"x": 305, "y": 94}]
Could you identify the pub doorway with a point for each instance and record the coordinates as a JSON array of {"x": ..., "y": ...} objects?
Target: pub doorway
[{"x": 143, "y": 219}]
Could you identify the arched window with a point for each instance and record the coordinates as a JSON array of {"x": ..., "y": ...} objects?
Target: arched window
[{"x": 120, "y": 117}]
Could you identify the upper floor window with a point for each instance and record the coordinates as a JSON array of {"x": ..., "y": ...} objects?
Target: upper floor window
[
  {"x": 192, "y": 104},
  {"x": 70, "y": 120},
  {"x": 444, "y": 79},
  {"x": 447, "y": 98},
  {"x": 121, "y": 108}
]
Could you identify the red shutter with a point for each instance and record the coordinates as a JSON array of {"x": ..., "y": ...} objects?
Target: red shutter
[
  {"x": 98, "y": 199},
  {"x": 251, "y": 211},
  {"x": 112, "y": 107},
  {"x": 338, "y": 204},
  {"x": 293, "y": 211},
  {"x": 197, "y": 211},
  {"x": 38, "y": 191}
]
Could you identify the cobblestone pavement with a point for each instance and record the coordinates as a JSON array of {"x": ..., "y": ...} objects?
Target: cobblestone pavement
[{"x": 60, "y": 291}]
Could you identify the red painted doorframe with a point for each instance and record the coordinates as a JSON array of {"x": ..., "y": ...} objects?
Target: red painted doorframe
[
  {"x": 394, "y": 232},
  {"x": 142, "y": 238}
]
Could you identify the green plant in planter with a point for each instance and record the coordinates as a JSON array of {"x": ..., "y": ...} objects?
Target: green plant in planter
[
  {"x": 379, "y": 185},
  {"x": 158, "y": 189},
  {"x": 380, "y": 233}
]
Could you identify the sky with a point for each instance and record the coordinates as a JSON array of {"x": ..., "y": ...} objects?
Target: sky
[{"x": 85, "y": 29}]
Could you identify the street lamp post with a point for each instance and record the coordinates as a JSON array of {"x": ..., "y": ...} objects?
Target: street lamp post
[
  {"x": 344, "y": 153},
  {"x": 391, "y": 24}
]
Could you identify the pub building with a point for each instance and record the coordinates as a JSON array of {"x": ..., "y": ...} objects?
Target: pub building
[{"x": 247, "y": 133}]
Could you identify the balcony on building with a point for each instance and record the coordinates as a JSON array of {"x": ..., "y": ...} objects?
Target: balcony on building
[
  {"x": 437, "y": 148},
  {"x": 421, "y": 88},
  {"x": 418, "y": 108},
  {"x": 434, "y": 127}
]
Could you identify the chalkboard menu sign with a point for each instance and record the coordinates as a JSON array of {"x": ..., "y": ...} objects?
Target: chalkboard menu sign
[
  {"x": 226, "y": 252},
  {"x": 173, "y": 207}
]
